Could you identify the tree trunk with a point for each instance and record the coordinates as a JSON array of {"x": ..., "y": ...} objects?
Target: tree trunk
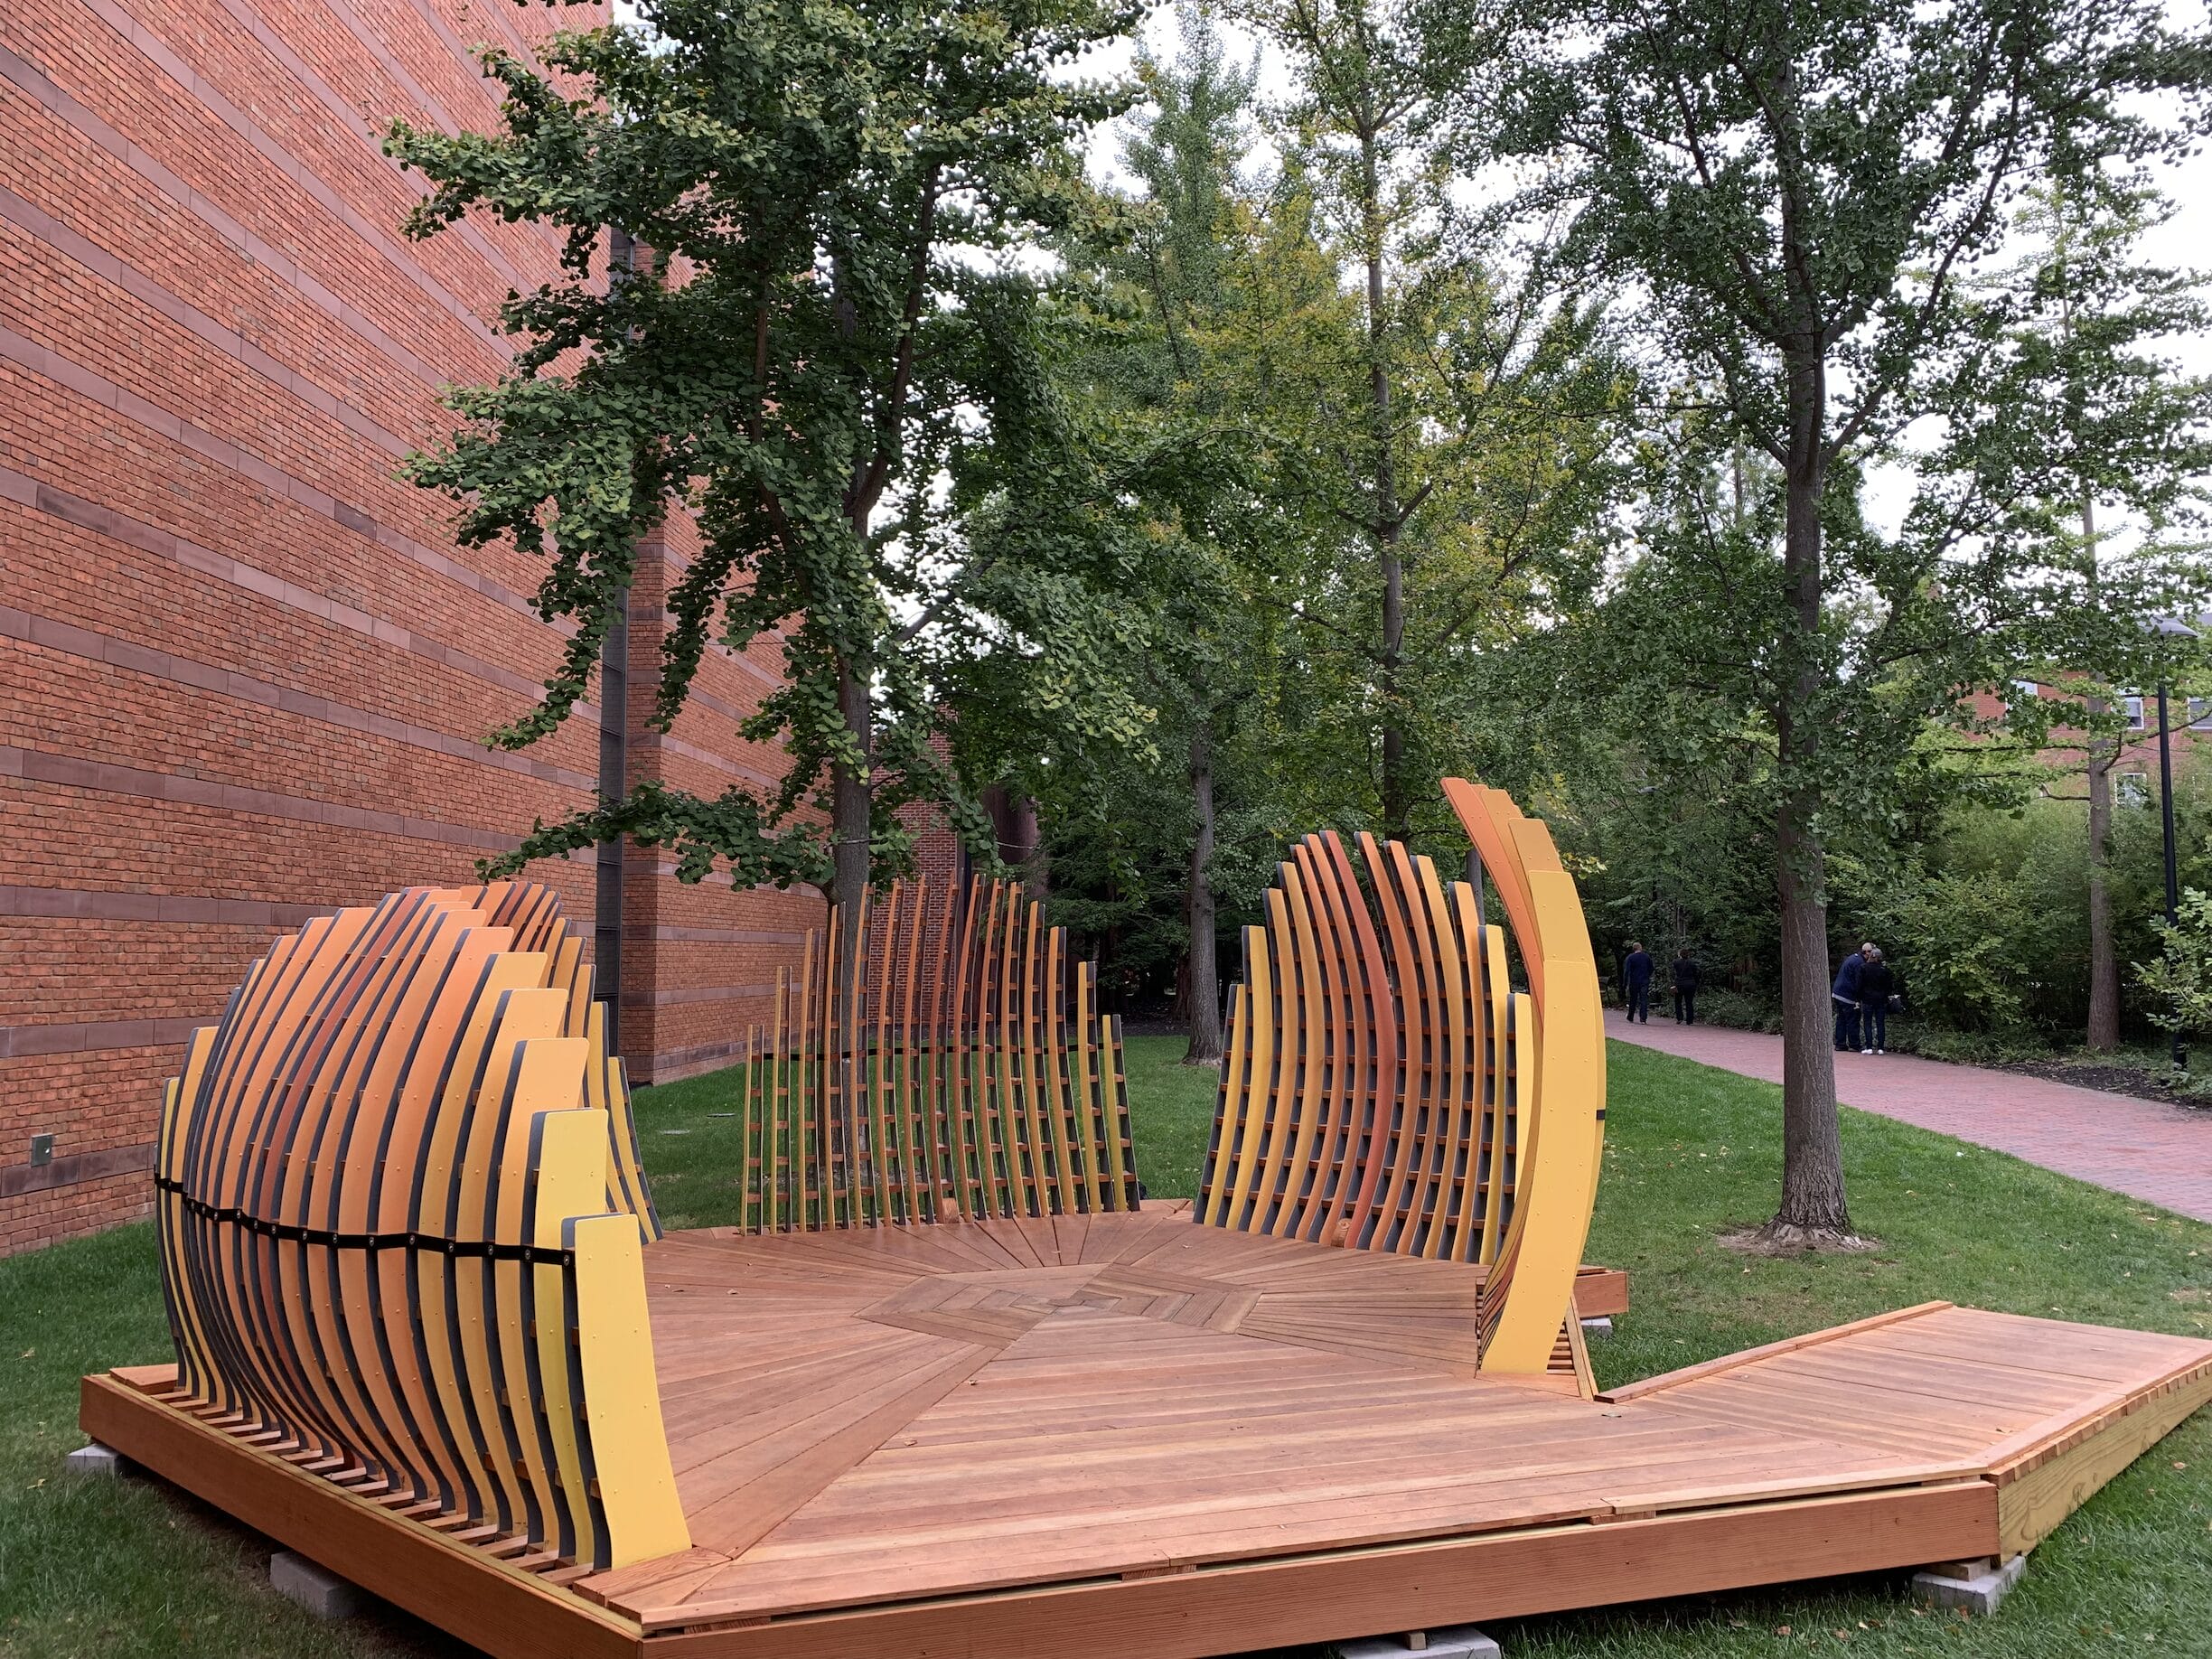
[
  {"x": 1204, "y": 992},
  {"x": 851, "y": 803},
  {"x": 1811, "y": 1138},
  {"x": 2103, "y": 1032},
  {"x": 1396, "y": 790}
]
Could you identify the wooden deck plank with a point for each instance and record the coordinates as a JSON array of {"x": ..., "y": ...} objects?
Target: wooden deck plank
[
  {"x": 1751, "y": 1356},
  {"x": 1343, "y": 1408},
  {"x": 739, "y": 1516},
  {"x": 1353, "y": 1592},
  {"x": 2029, "y": 1507},
  {"x": 817, "y": 1402},
  {"x": 1129, "y": 1393}
]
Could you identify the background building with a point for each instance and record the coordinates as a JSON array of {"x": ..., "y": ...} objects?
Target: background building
[{"x": 245, "y": 673}]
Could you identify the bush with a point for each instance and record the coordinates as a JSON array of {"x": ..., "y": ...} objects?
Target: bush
[
  {"x": 1719, "y": 1006},
  {"x": 2178, "y": 980},
  {"x": 1988, "y": 923},
  {"x": 1984, "y": 912},
  {"x": 1915, "y": 1036}
]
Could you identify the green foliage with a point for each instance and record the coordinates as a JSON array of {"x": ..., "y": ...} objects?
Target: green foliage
[
  {"x": 1983, "y": 913},
  {"x": 1988, "y": 921},
  {"x": 1805, "y": 192},
  {"x": 1973, "y": 936},
  {"x": 1934, "y": 850},
  {"x": 1224, "y": 362},
  {"x": 2179, "y": 979},
  {"x": 2093, "y": 324},
  {"x": 1445, "y": 407},
  {"x": 821, "y": 351},
  {"x": 1141, "y": 359},
  {"x": 1671, "y": 838}
]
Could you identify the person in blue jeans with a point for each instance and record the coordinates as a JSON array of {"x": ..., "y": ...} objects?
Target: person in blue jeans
[
  {"x": 1636, "y": 973},
  {"x": 1846, "y": 993}
]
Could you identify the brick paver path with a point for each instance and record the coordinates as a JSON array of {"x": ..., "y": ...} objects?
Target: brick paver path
[{"x": 2160, "y": 1154}]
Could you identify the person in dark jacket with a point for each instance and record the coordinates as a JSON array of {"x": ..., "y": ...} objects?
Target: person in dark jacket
[
  {"x": 1686, "y": 988},
  {"x": 1636, "y": 974},
  {"x": 1846, "y": 994},
  {"x": 1877, "y": 996}
]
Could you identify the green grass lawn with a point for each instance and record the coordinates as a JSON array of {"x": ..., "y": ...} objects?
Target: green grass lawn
[{"x": 131, "y": 1568}]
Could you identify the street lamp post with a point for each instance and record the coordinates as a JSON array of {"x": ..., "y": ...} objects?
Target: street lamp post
[
  {"x": 2173, "y": 875},
  {"x": 2170, "y": 626}
]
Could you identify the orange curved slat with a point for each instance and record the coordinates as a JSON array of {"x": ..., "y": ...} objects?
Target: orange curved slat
[
  {"x": 1386, "y": 1087},
  {"x": 982, "y": 1082},
  {"x": 1379, "y": 1057},
  {"x": 368, "y": 1174}
]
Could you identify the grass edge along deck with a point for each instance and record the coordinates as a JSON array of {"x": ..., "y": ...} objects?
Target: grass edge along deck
[{"x": 1998, "y": 1504}]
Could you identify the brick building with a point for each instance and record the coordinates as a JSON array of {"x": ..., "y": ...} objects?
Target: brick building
[
  {"x": 2135, "y": 763},
  {"x": 245, "y": 673}
]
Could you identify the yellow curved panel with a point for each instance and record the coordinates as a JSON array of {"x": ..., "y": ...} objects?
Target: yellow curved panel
[
  {"x": 628, "y": 1462},
  {"x": 1558, "y": 1168}
]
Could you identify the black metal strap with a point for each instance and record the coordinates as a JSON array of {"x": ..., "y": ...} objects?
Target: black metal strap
[{"x": 484, "y": 1250}]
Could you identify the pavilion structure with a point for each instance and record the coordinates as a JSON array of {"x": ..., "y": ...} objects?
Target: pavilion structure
[{"x": 957, "y": 1385}]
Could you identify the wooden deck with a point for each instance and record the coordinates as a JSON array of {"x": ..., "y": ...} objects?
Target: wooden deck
[{"x": 1129, "y": 1435}]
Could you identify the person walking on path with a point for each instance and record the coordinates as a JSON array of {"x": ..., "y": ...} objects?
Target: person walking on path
[
  {"x": 1877, "y": 993},
  {"x": 1846, "y": 994},
  {"x": 1636, "y": 972},
  {"x": 1686, "y": 988}
]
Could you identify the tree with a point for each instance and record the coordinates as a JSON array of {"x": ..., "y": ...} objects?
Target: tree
[
  {"x": 2138, "y": 434},
  {"x": 820, "y": 354},
  {"x": 1186, "y": 156},
  {"x": 1147, "y": 363},
  {"x": 1448, "y": 425},
  {"x": 1359, "y": 92},
  {"x": 1801, "y": 190}
]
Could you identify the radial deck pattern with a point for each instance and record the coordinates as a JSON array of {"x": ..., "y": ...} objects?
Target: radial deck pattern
[{"x": 1126, "y": 1434}]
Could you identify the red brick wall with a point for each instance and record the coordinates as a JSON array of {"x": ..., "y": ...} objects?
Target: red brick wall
[
  {"x": 700, "y": 967},
  {"x": 244, "y": 672}
]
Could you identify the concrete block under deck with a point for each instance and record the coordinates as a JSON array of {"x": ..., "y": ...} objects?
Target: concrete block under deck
[{"x": 1460, "y": 1642}]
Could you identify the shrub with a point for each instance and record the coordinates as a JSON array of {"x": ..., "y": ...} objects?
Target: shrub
[
  {"x": 2179, "y": 980},
  {"x": 1719, "y": 1006}
]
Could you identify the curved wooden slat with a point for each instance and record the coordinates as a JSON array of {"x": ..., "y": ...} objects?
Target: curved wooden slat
[
  {"x": 1380, "y": 1055},
  {"x": 368, "y": 1176},
  {"x": 1387, "y": 1088},
  {"x": 992, "y": 1090}
]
